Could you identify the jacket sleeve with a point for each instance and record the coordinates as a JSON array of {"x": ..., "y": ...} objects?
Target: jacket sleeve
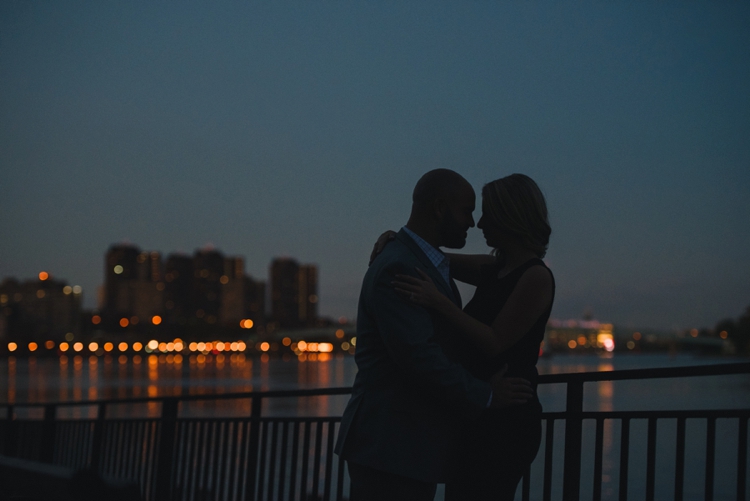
[{"x": 408, "y": 334}]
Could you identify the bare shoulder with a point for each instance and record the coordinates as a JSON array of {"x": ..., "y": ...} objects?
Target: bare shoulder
[{"x": 536, "y": 278}]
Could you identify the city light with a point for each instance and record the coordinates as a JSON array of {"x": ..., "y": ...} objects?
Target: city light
[
  {"x": 153, "y": 344},
  {"x": 124, "y": 322},
  {"x": 43, "y": 275},
  {"x": 49, "y": 345},
  {"x": 93, "y": 346},
  {"x": 78, "y": 346},
  {"x": 137, "y": 346},
  {"x": 33, "y": 346},
  {"x": 123, "y": 346},
  {"x": 156, "y": 320},
  {"x": 118, "y": 269},
  {"x": 64, "y": 346},
  {"x": 246, "y": 323},
  {"x": 109, "y": 346},
  {"x": 339, "y": 333},
  {"x": 67, "y": 290},
  {"x": 12, "y": 346},
  {"x": 77, "y": 289},
  {"x": 264, "y": 346}
]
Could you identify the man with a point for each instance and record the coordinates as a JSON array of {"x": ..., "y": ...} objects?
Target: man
[{"x": 400, "y": 427}]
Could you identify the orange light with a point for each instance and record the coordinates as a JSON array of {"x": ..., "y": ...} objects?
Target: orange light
[
  {"x": 64, "y": 346},
  {"x": 124, "y": 322},
  {"x": 325, "y": 347},
  {"x": 286, "y": 341},
  {"x": 302, "y": 346},
  {"x": 96, "y": 320},
  {"x": 93, "y": 346},
  {"x": 49, "y": 345},
  {"x": 241, "y": 346},
  {"x": 723, "y": 334},
  {"x": 193, "y": 346},
  {"x": 264, "y": 346},
  {"x": 246, "y": 323},
  {"x": 43, "y": 275},
  {"x": 109, "y": 346},
  {"x": 33, "y": 346},
  {"x": 162, "y": 347},
  {"x": 156, "y": 320},
  {"x": 339, "y": 333},
  {"x": 572, "y": 344},
  {"x": 12, "y": 346},
  {"x": 137, "y": 346},
  {"x": 78, "y": 346},
  {"x": 123, "y": 346}
]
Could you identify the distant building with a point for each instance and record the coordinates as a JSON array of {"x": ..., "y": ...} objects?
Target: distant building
[
  {"x": 183, "y": 291},
  {"x": 39, "y": 310},
  {"x": 241, "y": 296},
  {"x": 308, "y": 294},
  {"x": 293, "y": 293}
]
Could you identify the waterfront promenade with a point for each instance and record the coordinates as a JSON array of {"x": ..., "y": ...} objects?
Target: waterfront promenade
[{"x": 634, "y": 436}]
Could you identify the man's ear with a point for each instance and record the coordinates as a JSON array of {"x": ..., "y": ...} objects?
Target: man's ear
[{"x": 439, "y": 208}]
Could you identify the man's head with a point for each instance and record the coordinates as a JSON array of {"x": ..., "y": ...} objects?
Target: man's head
[{"x": 442, "y": 206}]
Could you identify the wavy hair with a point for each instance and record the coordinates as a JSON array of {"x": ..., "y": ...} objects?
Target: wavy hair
[{"x": 516, "y": 205}]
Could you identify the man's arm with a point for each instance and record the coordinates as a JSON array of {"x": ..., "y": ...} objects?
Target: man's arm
[{"x": 408, "y": 334}]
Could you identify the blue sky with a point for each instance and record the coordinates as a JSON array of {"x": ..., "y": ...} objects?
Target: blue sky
[{"x": 300, "y": 128}]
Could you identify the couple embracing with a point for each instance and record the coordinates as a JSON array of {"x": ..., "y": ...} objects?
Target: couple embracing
[{"x": 445, "y": 394}]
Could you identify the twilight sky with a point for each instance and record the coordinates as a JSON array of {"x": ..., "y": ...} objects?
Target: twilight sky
[{"x": 300, "y": 128}]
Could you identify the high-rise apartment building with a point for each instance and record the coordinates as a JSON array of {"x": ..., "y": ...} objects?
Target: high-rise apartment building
[
  {"x": 39, "y": 310},
  {"x": 293, "y": 293}
]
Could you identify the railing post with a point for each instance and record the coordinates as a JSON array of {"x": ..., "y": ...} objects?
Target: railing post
[
  {"x": 166, "y": 449},
  {"x": 47, "y": 451},
  {"x": 573, "y": 437},
  {"x": 9, "y": 446},
  {"x": 254, "y": 445},
  {"x": 96, "y": 452}
]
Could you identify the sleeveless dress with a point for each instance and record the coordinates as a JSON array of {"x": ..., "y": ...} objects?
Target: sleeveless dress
[{"x": 498, "y": 447}]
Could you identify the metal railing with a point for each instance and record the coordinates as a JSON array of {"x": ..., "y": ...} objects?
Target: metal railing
[{"x": 257, "y": 457}]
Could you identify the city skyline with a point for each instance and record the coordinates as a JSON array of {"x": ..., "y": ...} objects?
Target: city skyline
[{"x": 300, "y": 130}]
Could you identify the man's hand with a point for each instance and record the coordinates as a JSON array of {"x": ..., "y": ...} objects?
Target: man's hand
[
  {"x": 381, "y": 243},
  {"x": 509, "y": 391}
]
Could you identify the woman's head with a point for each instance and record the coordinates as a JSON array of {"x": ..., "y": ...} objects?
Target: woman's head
[{"x": 515, "y": 206}]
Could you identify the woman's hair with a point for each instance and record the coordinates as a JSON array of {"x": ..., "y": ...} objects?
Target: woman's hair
[{"x": 516, "y": 205}]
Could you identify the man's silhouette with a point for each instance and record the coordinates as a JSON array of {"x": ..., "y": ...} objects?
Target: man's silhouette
[{"x": 399, "y": 430}]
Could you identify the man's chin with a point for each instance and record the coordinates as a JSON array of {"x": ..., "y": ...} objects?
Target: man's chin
[{"x": 456, "y": 244}]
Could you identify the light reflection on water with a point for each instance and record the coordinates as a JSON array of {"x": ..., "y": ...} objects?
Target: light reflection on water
[
  {"x": 90, "y": 378},
  {"x": 79, "y": 378}
]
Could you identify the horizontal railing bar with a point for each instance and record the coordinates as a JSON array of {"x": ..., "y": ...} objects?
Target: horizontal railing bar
[
  {"x": 664, "y": 372},
  {"x": 562, "y": 415},
  {"x": 191, "y": 398},
  {"x": 618, "y": 375},
  {"x": 697, "y": 413}
]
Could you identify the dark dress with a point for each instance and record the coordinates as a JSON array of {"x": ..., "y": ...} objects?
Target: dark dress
[{"x": 498, "y": 447}]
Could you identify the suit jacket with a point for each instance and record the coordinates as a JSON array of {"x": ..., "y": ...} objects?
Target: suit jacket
[{"x": 408, "y": 397}]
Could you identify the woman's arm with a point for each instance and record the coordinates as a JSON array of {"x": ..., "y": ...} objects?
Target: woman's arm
[
  {"x": 467, "y": 267},
  {"x": 529, "y": 299}
]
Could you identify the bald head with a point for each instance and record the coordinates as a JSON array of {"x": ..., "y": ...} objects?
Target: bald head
[
  {"x": 442, "y": 204},
  {"x": 438, "y": 184}
]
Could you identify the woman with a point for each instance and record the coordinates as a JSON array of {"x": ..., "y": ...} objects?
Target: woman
[{"x": 503, "y": 325}]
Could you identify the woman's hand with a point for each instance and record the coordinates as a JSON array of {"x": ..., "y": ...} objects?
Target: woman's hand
[
  {"x": 420, "y": 291},
  {"x": 382, "y": 241}
]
